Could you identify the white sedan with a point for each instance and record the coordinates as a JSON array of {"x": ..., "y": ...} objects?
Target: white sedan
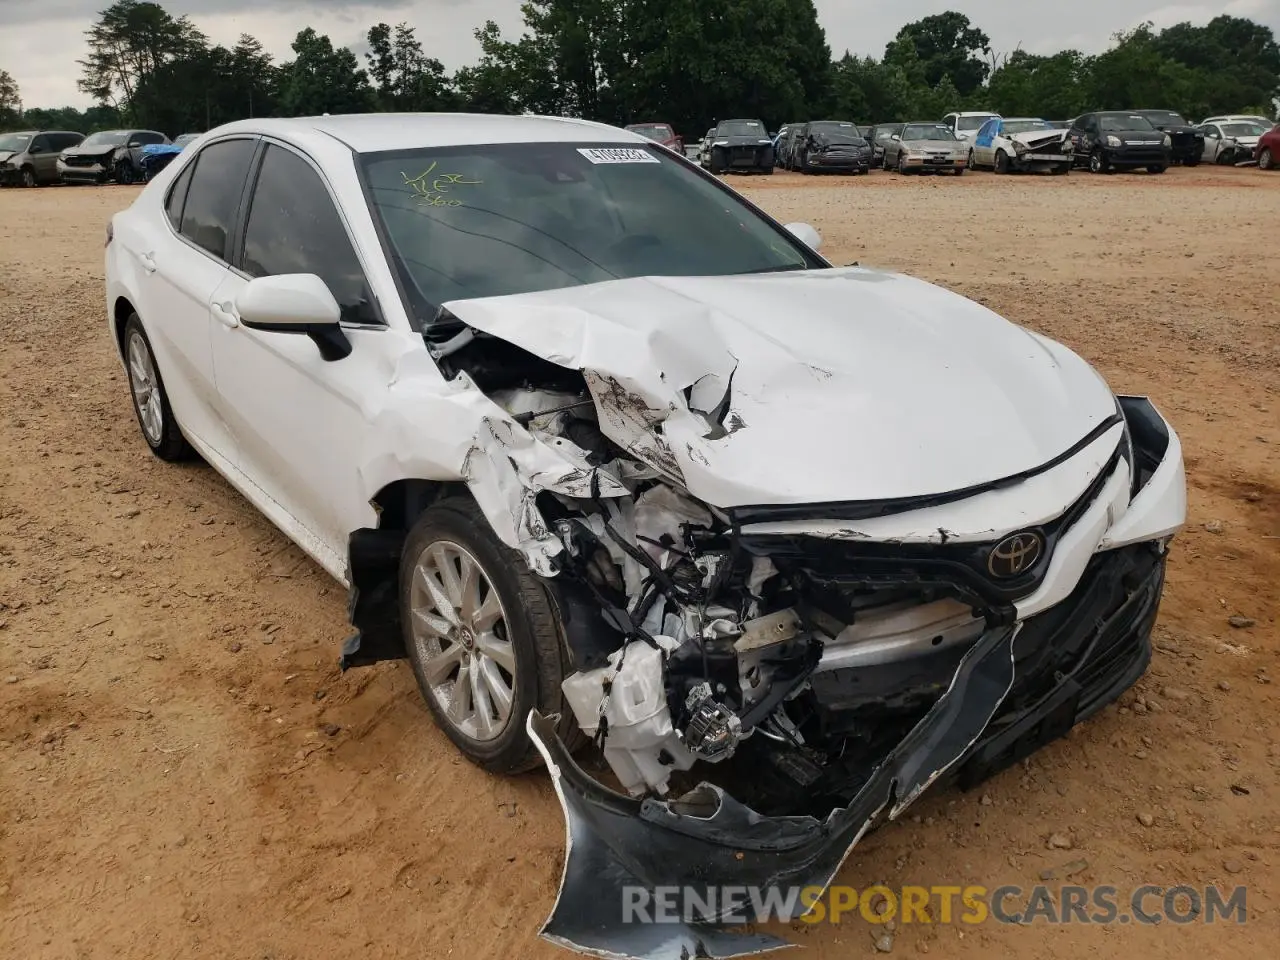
[
  {"x": 1021, "y": 143},
  {"x": 603, "y": 450}
]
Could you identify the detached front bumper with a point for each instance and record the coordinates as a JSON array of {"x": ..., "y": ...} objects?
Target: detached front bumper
[
  {"x": 1041, "y": 160},
  {"x": 90, "y": 173}
]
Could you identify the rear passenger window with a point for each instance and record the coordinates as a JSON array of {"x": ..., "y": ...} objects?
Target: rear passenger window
[
  {"x": 178, "y": 196},
  {"x": 213, "y": 195},
  {"x": 295, "y": 228},
  {"x": 147, "y": 136}
]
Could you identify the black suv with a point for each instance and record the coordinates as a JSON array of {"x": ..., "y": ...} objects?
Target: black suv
[
  {"x": 740, "y": 145},
  {"x": 1186, "y": 142},
  {"x": 1119, "y": 139},
  {"x": 832, "y": 145}
]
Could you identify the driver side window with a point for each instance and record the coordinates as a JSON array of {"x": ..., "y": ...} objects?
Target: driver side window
[{"x": 294, "y": 227}]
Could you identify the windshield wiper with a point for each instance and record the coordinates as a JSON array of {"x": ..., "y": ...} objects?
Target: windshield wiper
[{"x": 779, "y": 269}]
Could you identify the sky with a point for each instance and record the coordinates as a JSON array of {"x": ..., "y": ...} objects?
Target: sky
[{"x": 41, "y": 40}]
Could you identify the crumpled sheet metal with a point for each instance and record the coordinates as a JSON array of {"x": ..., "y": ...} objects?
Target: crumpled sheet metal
[{"x": 615, "y": 842}]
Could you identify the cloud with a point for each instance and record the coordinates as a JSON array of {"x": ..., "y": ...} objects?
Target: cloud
[{"x": 41, "y": 40}]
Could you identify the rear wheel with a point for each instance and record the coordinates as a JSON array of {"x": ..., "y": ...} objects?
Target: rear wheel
[
  {"x": 1266, "y": 160},
  {"x": 483, "y": 637},
  {"x": 150, "y": 401}
]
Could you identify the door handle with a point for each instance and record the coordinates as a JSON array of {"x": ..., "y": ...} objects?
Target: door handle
[
  {"x": 226, "y": 314},
  {"x": 148, "y": 262}
]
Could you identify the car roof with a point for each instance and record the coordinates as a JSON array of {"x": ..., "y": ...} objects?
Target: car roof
[
  {"x": 974, "y": 113},
  {"x": 1023, "y": 119},
  {"x": 375, "y": 132}
]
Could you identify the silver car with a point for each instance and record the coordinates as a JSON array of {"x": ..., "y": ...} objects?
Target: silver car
[
  {"x": 1231, "y": 141},
  {"x": 926, "y": 146}
]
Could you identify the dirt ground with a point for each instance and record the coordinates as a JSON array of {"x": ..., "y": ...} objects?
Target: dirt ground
[{"x": 185, "y": 773}]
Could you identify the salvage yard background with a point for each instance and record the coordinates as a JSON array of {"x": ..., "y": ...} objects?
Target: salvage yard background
[{"x": 184, "y": 772}]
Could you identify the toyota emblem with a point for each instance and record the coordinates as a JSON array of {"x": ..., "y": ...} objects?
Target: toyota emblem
[{"x": 1015, "y": 555}]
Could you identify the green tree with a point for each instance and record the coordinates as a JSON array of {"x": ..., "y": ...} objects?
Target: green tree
[
  {"x": 1054, "y": 87},
  {"x": 945, "y": 45},
  {"x": 403, "y": 76},
  {"x": 255, "y": 79},
  {"x": 322, "y": 79},
  {"x": 10, "y": 100},
  {"x": 1135, "y": 73},
  {"x": 130, "y": 41}
]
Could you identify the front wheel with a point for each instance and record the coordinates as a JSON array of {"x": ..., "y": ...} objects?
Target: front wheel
[
  {"x": 125, "y": 174},
  {"x": 1157, "y": 168},
  {"x": 150, "y": 401},
  {"x": 1098, "y": 162},
  {"x": 902, "y": 165},
  {"x": 1002, "y": 162},
  {"x": 716, "y": 165},
  {"x": 1266, "y": 161},
  {"x": 28, "y": 177},
  {"x": 482, "y": 635}
]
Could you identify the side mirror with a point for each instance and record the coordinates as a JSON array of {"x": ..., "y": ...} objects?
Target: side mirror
[
  {"x": 896, "y": 136},
  {"x": 806, "y": 235},
  {"x": 295, "y": 303},
  {"x": 34, "y": 149}
]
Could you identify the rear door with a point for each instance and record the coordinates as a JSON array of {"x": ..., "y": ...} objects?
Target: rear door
[{"x": 182, "y": 259}]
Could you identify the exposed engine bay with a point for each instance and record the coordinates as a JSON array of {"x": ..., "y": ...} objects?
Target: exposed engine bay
[{"x": 695, "y": 642}]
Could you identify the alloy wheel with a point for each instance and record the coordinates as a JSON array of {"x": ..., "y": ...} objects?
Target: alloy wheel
[
  {"x": 146, "y": 389},
  {"x": 1265, "y": 160},
  {"x": 28, "y": 177},
  {"x": 459, "y": 628}
]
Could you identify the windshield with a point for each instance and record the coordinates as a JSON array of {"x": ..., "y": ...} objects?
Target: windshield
[
  {"x": 186, "y": 138},
  {"x": 927, "y": 131},
  {"x": 1244, "y": 129},
  {"x": 497, "y": 219},
  {"x": 972, "y": 123},
  {"x": 14, "y": 142},
  {"x": 107, "y": 138},
  {"x": 1024, "y": 126},
  {"x": 1167, "y": 117},
  {"x": 886, "y": 133},
  {"x": 653, "y": 131},
  {"x": 741, "y": 128},
  {"x": 836, "y": 131},
  {"x": 1123, "y": 121}
]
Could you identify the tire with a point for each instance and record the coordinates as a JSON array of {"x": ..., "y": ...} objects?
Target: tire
[
  {"x": 1157, "y": 168},
  {"x": 28, "y": 177},
  {"x": 957, "y": 171},
  {"x": 1266, "y": 160},
  {"x": 512, "y": 639},
  {"x": 767, "y": 171},
  {"x": 150, "y": 401},
  {"x": 716, "y": 167},
  {"x": 1222, "y": 159},
  {"x": 1002, "y": 162},
  {"x": 1098, "y": 162},
  {"x": 973, "y": 163},
  {"x": 125, "y": 174},
  {"x": 902, "y": 165}
]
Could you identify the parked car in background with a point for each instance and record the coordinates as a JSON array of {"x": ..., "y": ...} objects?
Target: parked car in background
[
  {"x": 864, "y": 130},
  {"x": 1059, "y": 124},
  {"x": 778, "y": 139},
  {"x": 1021, "y": 143},
  {"x": 659, "y": 133},
  {"x": 926, "y": 147},
  {"x": 878, "y": 136},
  {"x": 740, "y": 146},
  {"x": 1267, "y": 152},
  {"x": 834, "y": 145},
  {"x": 1119, "y": 140},
  {"x": 965, "y": 125},
  {"x": 789, "y": 146},
  {"x": 157, "y": 156},
  {"x": 1267, "y": 122},
  {"x": 29, "y": 158},
  {"x": 704, "y": 146},
  {"x": 108, "y": 155},
  {"x": 1231, "y": 141},
  {"x": 1186, "y": 142}
]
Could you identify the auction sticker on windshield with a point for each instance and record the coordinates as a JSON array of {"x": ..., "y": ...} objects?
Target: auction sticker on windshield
[{"x": 617, "y": 155}]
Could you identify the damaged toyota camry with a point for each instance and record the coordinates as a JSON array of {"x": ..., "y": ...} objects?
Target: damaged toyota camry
[{"x": 620, "y": 464}]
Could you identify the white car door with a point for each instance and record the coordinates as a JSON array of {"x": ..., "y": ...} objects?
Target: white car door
[
  {"x": 181, "y": 265},
  {"x": 984, "y": 145},
  {"x": 299, "y": 420},
  {"x": 1212, "y": 143}
]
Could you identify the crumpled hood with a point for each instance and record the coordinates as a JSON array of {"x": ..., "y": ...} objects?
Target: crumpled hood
[
  {"x": 843, "y": 384},
  {"x": 6, "y": 154},
  {"x": 1038, "y": 136},
  {"x": 94, "y": 151}
]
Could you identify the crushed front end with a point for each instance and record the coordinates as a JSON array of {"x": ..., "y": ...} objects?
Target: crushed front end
[{"x": 769, "y": 682}]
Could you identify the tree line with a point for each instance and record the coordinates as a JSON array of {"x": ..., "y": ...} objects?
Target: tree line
[{"x": 688, "y": 62}]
